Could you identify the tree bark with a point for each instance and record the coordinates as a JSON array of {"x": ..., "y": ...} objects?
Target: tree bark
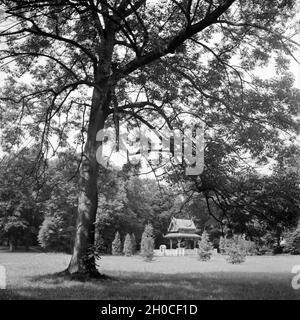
[{"x": 88, "y": 196}]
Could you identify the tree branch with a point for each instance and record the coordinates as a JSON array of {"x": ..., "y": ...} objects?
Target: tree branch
[{"x": 176, "y": 41}]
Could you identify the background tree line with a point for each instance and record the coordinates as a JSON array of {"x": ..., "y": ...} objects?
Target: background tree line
[{"x": 40, "y": 209}]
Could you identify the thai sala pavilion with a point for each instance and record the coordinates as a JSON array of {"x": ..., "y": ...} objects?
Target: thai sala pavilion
[{"x": 182, "y": 233}]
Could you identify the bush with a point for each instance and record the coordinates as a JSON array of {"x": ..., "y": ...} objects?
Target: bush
[
  {"x": 264, "y": 249},
  {"x": 127, "y": 250},
  {"x": 116, "y": 247},
  {"x": 236, "y": 249},
  {"x": 147, "y": 243},
  {"x": 99, "y": 243},
  {"x": 293, "y": 242},
  {"x": 204, "y": 247},
  {"x": 251, "y": 248},
  {"x": 265, "y": 244},
  {"x": 91, "y": 258},
  {"x": 54, "y": 235}
]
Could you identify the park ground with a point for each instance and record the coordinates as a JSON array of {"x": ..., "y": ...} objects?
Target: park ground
[{"x": 35, "y": 275}]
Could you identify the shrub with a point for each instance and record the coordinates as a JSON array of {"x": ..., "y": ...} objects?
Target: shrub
[
  {"x": 251, "y": 248},
  {"x": 116, "y": 247},
  {"x": 133, "y": 242},
  {"x": 127, "y": 250},
  {"x": 54, "y": 235},
  {"x": 204, "y": 247},
  {"x": 265, "y": 244},
  {"x": 99, "y": 243},
  {"x": 296, "y": 243},
  {"x": 147, "y": 243},
  {"x": 293, "y": 241},
  {"x": 91, "y": 258},
  {"x": 235, "y": 249},
  {"x": 264, "y": 249}
]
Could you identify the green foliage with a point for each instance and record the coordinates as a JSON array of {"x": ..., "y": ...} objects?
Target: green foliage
[
  {"x": 251, "y": 248},
  {"x": 147, "y": 243},
  {"x": 204, "y": 247},
  {"x": 127, "y": 203},
  {"x": 293, "y": 241},
  {"x": 116, "y": 245},
  {"x": 148, "y": 231},
  {"x": 265, "y": 243},
  {"x": 55, "y": 235},
  {"x": 92, "y": 258},
  {"x": 19, "y": 198},
  {"x": 261, "y": 207},
  {"x": 13, "y": 224},
  {"x": 128, "y": 250},
  {"x": 58, "y": 228},
  {"x": 99, "y": 242},
  {"x": 29, "y": 195},
  {"x": 235, "y": 249}
]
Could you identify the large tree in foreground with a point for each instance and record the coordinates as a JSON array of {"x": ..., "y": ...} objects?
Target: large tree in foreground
[{"x": 80, "y": 64}]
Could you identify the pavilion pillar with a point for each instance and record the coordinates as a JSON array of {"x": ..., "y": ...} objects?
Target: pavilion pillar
[
  {"x": 171, "y": 244},
  {"x": 178, "y": 246}
]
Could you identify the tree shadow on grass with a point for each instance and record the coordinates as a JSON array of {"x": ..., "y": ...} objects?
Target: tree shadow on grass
[
  {"x": 12, "y": 295},
  {"x": 63, "y": 276},
  {"x": 146, "y": 285}
]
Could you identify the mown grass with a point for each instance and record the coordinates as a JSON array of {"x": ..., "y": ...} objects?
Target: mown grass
[{"x": 36, "y": 276}]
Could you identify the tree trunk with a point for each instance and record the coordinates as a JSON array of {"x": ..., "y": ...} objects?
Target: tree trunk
[
  {"x": 278, "y": 248},
  {"x": 11, "y": 242},
  {"x": 88, "y": 196}
]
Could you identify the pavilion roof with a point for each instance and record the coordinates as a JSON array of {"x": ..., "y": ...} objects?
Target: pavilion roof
[{"x": 178, "y": 225}]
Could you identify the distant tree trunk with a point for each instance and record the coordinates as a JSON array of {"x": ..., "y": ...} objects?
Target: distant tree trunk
[
  {"x": 11, "y": 243},
  {"x": 278, "y": 248},
  {"x": 88, "y": 196}
]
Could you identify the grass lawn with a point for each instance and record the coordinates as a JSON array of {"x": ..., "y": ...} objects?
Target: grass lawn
[{"x": 32, "y": 276}]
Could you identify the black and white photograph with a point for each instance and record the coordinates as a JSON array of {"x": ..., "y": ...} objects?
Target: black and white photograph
[{"x": 149, "y": 151}]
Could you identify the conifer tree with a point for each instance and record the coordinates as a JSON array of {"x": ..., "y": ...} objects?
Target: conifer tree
[
  {"x": 147, "y": 243},
  {"x": 116, "y": 245},
  {"x": 205, "y": 247},
  {"x": 127, "y": 250}
]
